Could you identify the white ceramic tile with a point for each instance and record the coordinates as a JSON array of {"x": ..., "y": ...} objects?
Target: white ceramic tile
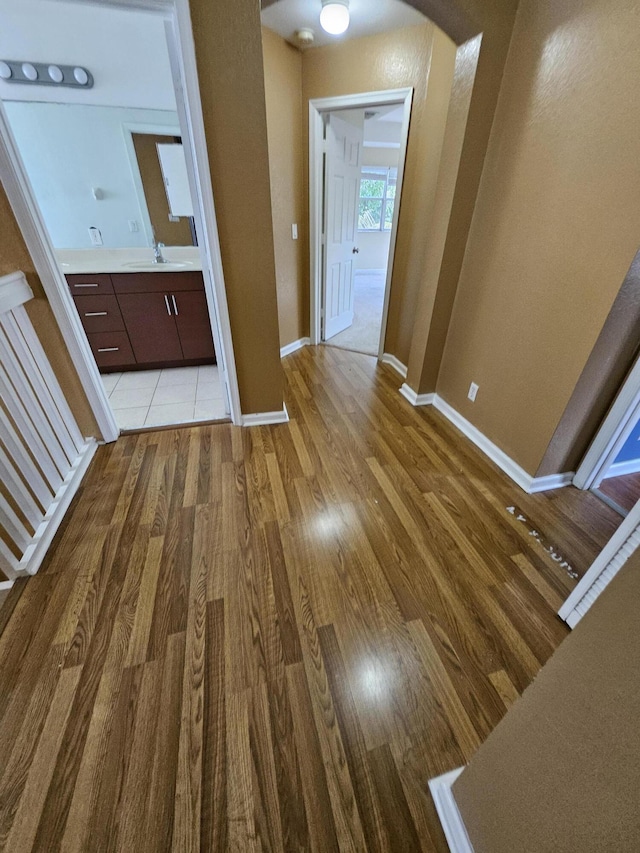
[
  {"x": 178, "y": 376},
  {"x": 174, "y": 394},
  {"x": 110, "y": 380},
  {"x": 209, "y": 391},
  {"x": 209, "y": 410},
  {"x": 138, "y": 379},
  {"x": 208, "y": 372},
  {"x": 131, "y": 418},
  {"x": 131, "y": 398},
  {"x": 176, "y": 413}
]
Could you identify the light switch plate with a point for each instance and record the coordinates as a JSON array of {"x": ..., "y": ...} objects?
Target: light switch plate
[{"x": 294, "y": 231}]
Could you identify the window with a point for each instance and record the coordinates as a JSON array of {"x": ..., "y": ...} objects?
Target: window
[{"x": 377, "y": 198}]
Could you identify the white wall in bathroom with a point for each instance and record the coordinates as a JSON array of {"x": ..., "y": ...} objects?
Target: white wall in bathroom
[
  {"x": 70, "y": 149},
  {"x": 125, "y": 51}
]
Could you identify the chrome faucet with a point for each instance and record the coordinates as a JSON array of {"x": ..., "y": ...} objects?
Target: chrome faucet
[{"x": 158, "y": 257}]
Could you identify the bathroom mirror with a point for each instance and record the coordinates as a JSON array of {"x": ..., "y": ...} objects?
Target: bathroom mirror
[{"x": 97, "y": 175}]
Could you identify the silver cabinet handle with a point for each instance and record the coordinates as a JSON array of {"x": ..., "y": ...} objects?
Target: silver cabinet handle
[
  {"x": 166, "y": 302},
  {"x": 96, "y": 313},
  {"x": 175, "y": 307},
  {"x": 85, "y": 285},
  {"x": 109, "y": 349}
]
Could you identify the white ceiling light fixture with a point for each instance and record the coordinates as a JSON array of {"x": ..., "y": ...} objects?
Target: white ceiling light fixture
[{"x": 334, "y": 17}]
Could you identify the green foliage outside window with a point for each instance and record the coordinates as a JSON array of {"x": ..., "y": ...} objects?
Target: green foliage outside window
[{"x": 377, "y": 198}]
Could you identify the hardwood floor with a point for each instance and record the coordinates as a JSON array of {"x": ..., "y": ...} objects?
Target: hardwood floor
[
  {"x": 625, "y": 490},
  {"x": 270, "y": 639}
]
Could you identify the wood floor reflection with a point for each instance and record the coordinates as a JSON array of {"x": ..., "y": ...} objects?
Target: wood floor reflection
[{"x": 270, "y": 639}]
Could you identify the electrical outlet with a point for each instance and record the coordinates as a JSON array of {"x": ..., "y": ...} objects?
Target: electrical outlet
[
  {"x": 133, "y": 226},
  {"x": 95, "y": 236},
  {"x": 473, "y": 392},
  {"x": 294, "y": 231}
]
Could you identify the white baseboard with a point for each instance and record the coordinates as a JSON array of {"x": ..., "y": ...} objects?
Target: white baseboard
[
  {"x": 417, "y": 399},
  {"x": 394, "y": 362},
  {"x": 294, "y": 347},
  {"x": 619, "y": 469},
  {"x": 553, "y": 481},
  {"x": 266, "y": 418},
  {"x": 529, "y": 484},
  {"x": 448, "y": 812}
]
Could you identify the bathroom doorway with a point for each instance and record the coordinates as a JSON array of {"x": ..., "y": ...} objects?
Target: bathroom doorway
[{"x": 146, "y": 323}]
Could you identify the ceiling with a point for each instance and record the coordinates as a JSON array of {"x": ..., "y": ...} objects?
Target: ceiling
[{"x": 367, "y": 18}]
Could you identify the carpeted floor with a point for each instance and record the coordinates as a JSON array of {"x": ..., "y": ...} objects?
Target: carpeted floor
[{"x": 364, "y": 334}]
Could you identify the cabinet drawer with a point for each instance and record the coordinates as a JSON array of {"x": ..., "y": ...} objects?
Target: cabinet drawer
[
  {"x": 157, "y": 282},
  {"x": 99, "y": 313},
  {"x": 83, "y": 285},
  {"x": 111, "y": 349}
]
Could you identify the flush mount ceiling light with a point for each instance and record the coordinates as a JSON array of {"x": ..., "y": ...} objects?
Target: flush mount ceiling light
[{"x": 334, "y": 18}]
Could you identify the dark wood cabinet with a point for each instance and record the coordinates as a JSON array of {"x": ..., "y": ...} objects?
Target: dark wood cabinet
[
  {"x": 145, "y": 319},
  {"x": 111, "y": 350},
  {"x": 192, "y": 321},
  {"x": 100, "y": 313},
  {"x": 89, "y": 285},
  {"x": 151, "y": 326}
]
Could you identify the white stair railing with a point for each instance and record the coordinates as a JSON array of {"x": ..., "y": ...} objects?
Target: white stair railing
[{"x": 43, "y": 455}]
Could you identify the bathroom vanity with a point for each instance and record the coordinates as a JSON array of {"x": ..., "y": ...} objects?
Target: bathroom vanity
[{"x": 152, "y": 317}]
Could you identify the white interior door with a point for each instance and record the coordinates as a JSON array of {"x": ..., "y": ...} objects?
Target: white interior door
[
  {"x": 344, "y": 159},
  {"x": 176, "y": 178}
]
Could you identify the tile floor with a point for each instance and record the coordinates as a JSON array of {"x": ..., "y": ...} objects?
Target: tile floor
[{"x": 177, "y": 395}]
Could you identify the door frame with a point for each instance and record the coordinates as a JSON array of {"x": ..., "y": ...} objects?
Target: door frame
[
  {"x": 317, "y": 108},
  {"x": 613, "y": 433},
  {"x": 179, "y": 33}
]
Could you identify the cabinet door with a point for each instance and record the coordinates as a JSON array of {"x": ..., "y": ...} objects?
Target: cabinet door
[
  {"x": 194, "y": 324},
  {"x": 151, "y": 327}
]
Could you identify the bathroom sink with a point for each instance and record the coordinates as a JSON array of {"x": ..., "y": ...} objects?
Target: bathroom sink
[{"x": 169, "y": 265}]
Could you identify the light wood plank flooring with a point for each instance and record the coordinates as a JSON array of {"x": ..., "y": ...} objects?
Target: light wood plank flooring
[{"x": 270, "y": 639}]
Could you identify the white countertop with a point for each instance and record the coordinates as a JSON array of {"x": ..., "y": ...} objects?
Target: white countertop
[{"x": 180, "y": 259}]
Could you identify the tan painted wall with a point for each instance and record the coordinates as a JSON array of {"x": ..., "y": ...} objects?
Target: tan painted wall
[
  {"x": 611, "y": 359},
  {"x": 228, "y": 43},
  {"x": 421, "y": 57},
  {"x": 14, "y": 256},
  {"x": 560, "y": 772},
  {"x": 556, "y": 224},
  {"x": 283, "y": 89},
  {"x": 434, "y": 282}
]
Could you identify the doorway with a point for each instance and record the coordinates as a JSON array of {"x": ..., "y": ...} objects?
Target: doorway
[
  {"x": 82, "y": 208},
  {"x": 611, "y": 467},
  {"x": 357, "y": 153}
]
